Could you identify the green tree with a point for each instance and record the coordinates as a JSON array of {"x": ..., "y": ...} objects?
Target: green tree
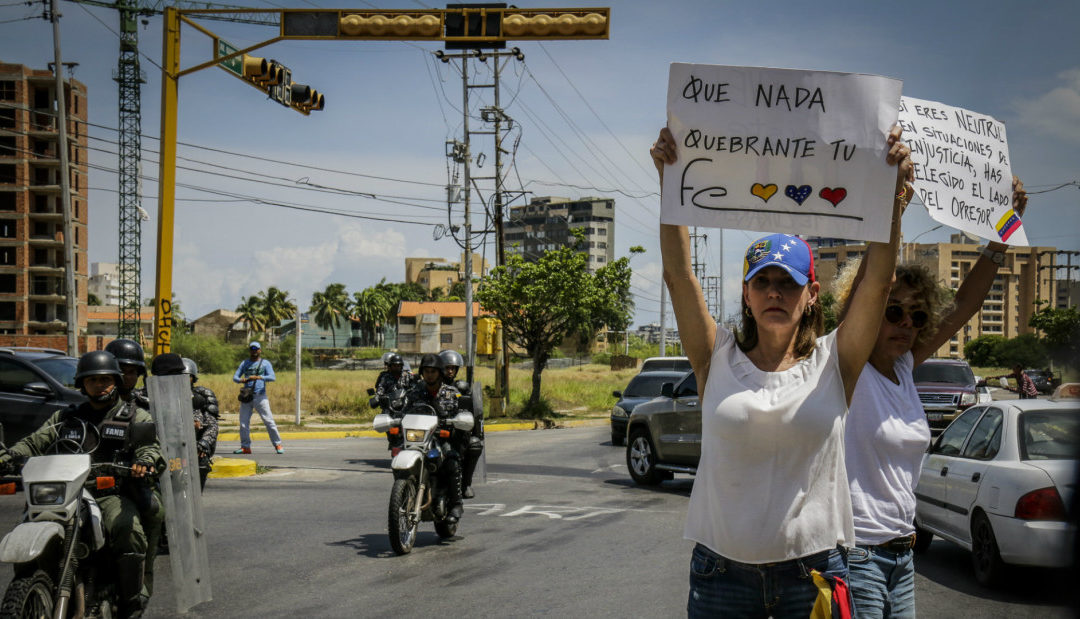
[
  {"x": 1061, "y": 333},
  {"x": 540, "y": 303},
  {"x": 370, "y": 308},
  {"x": 328, "y": 306},
  {"x": 276, "y": 306},
  {"x": 1027, "y": 350},
  {"x": 828, "y": 307},
  {"x": 612, "y": 305},
  {"x": 251, "y": 312},
  {"x": 395, "y": 293},
  {"x": 983, "y": 351},
  {"x": 92, "y": 299}
]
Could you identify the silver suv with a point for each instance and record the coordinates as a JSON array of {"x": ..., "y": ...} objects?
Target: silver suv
[{"x": 664, "y": 434}]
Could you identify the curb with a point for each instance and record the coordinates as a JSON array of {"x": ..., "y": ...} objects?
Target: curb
[
  {"x": 495, "y": 427},
  {"x": 232, "y": 467}
]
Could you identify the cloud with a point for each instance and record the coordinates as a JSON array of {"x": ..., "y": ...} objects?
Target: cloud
[{"x": 1057, "y": 112}]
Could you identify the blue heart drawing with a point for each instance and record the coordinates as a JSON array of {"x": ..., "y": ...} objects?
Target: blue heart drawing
[{"x": 798, "y": 194}]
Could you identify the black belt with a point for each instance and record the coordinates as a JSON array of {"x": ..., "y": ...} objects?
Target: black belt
[{"x": 898, "y": 544}]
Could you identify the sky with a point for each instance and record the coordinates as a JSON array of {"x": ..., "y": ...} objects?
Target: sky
[{"x": 585, "y": 114}]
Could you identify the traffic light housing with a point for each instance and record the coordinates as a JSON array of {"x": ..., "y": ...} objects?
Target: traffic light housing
[
  {"x": 460, "y": 26},
  {"x": 306, "y": 99}
]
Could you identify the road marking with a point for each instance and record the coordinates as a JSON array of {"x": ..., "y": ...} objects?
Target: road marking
[{"x": 610, "y": 467}]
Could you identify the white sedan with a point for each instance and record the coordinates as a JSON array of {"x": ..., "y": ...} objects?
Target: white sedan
[{"x": 997, "y": 482}]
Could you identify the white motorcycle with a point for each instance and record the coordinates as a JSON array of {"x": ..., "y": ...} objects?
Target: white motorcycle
[
  {"x": 63, "y": 567},
  {"x": 419, "y": 494}
]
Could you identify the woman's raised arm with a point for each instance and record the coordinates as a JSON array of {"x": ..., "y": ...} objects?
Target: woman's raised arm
[{"x": 696, "y": 326}]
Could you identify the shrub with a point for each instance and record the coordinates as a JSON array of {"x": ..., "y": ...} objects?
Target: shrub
[{"x": 212, "y": 355}]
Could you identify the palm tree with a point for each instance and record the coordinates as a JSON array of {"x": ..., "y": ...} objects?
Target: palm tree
[
  {"x": 327, "y": 306},
  {"x": 251, "y": 312},
  {"x": 276, "y": 306},
  {"x": 369, "y": 308}
]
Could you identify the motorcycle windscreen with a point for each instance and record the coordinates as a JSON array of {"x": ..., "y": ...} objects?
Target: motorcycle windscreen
[
  {"x": 478, "y": 420},
  {"x": 170, "y": 405}
]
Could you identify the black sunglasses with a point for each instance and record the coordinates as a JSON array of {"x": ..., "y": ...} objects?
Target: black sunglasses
[{"x": 895, "y": 313}]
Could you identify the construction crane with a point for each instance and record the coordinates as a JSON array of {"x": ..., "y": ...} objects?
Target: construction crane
[{"x": 129, "y": 78}]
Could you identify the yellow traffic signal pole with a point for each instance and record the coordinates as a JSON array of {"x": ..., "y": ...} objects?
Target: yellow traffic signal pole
[
  {"x": 472, "y": 28},
  {"x": 163, "y": 316}
]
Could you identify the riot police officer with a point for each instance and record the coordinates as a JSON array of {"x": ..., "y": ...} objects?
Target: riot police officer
[
  {"x": 470, "y": 444},
  {"x": 204, "y": 408},
  {"x": 431, "y": 390},
  {"x": 395, "y": 377},
  {"x": 132, "y": 362},
  {"x": 99, "y": 377}
]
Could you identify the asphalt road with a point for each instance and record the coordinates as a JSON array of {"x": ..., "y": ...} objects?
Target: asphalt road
[{"x": 557, "y": 530}]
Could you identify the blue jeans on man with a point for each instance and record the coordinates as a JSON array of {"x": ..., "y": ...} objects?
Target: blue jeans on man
[
  {"x": 720, "y": 587},
  {"x": 882, "y": 582}
]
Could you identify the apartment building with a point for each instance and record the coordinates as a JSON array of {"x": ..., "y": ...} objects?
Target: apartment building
[
  {"x": 432, "y": 273},
  {"x": 545, "y": 223},
  {"x": 1026, "y": 276},
  {"x": 33, "y": 307}
]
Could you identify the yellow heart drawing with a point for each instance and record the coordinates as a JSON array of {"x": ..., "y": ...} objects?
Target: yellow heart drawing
[{"x": 763, "y": 191}]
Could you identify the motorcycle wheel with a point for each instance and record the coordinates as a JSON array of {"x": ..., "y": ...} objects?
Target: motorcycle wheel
[
  {"x": 400, "y": 522},
  {"x": 29, "y": 597},
  {"x": 445, "y": 529}
]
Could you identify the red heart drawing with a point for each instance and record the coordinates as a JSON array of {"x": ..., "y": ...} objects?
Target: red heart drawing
[{"x": 836, "y": 196}]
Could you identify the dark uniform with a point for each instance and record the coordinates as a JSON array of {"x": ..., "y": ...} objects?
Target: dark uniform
[
  {"x": 445, "y": 403},
  {"x": 204, "y": 407},
  {"x": 128, "y": 508},
  {"x": 386, "y": 384}
]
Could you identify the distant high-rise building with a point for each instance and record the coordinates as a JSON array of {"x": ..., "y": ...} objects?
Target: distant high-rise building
[
  {"x": 105, "y": 282},
  {"x": 33, "y": 305},
  {"x": 545, "y": 223}
]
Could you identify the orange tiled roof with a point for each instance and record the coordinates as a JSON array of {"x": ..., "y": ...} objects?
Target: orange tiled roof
[
  {"x": 99, "y": 313},
  {"x": 452, "y": 309}
]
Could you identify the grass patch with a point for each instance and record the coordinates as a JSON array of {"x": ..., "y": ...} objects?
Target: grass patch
[
  {"x": 261, "y": 469},
  {"x": 340, "y": 396}
]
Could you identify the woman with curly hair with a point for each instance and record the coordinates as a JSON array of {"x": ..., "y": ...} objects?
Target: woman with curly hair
[{"x": 886, "y": 431}]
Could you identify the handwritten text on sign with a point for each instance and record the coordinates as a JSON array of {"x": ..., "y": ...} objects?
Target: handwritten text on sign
[
  {"x": 962, "y": 171},
  {"x": 780, "y": 150}
]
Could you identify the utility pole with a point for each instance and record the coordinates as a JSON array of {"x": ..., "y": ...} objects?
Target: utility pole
[
  {"x": 462, "y": 153},
  {"x": 698, "y": 265},
  {"x": 663, "y": 316},
  {"x": 65, "y": 188}
]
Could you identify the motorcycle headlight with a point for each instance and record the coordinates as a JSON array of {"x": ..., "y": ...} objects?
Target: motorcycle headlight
[
  {"x": 48, "y": 494},
  {"x": 414, "y": 436},
  {"x": 967, "y": 399},
  {"x": 618, "y": 412}
]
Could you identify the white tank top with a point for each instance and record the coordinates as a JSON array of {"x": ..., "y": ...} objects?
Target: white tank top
[
  {"x": 887, "y": 434},
  {"x": 771, "y": 483}
]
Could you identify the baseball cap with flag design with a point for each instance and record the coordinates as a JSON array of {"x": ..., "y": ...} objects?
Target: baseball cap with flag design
[{"x": 786, "y": 251}]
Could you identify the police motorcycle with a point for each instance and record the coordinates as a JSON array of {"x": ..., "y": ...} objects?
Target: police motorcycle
[
  {"x": 63, "y": 566},
  {"x": 418, "y": 493}
]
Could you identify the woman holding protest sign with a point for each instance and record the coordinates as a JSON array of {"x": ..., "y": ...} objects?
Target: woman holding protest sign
[
  {"x": 886, "y": 431},
  {"x": 770, "y": 507}
]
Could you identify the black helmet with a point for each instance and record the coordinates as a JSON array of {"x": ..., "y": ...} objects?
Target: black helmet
[
  {"x": 451, "y": 357},
  {"x": 386, "y": 357},
  {"x": 97, "y": 363},
  {"x": 128, "y": 352},
  {"x": 192, "y": 368},
  {"x": 431, "y": 361},
  {"x": 395, "y": 359}
]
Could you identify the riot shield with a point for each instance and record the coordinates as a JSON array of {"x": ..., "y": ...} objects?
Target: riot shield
[
  {"x": 170, "y": 405},
  {"x": 478, "y": 428}
]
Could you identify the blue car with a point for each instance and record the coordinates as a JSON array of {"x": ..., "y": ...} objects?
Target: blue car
[{"x": 642, "y": 388}]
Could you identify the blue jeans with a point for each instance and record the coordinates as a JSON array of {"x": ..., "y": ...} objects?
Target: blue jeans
[
  {"x": 882, "y": 583},
  {"x": 720, "y": 587},
  {"x": 261, "y": 405}
]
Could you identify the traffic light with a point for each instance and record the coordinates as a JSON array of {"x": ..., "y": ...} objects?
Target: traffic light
[
  {"x": 460, "y": 26},
  {"x": 306, "y": 99}
]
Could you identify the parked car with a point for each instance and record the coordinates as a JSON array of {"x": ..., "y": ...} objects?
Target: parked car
[
  {"x": 997, "y": 481},
  {"x": 641, "y": 388},
  {"x": 668, "y": 364},
  {"x": 946, "y": 388},
  {"x": 664, "y": 434},
  {"x": 1044, "y": 381},
  {"x": 34, "y": 383}
]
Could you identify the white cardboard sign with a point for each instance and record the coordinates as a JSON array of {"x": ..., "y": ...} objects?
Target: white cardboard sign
[
  {"x": 780, "y": 150},
  {"x": 962, "y": 171}
]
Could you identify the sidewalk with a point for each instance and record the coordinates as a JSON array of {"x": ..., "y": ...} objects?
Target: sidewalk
[{"x": 229, "y": 433}]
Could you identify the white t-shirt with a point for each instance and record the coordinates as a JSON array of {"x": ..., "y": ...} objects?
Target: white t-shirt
[
  {"x": 886, "y": 436},
  {"x": 771, "y": 483}
]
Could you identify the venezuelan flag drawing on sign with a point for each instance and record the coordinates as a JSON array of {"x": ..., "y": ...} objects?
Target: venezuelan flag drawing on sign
[{"x": 1008, "y": 224}]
